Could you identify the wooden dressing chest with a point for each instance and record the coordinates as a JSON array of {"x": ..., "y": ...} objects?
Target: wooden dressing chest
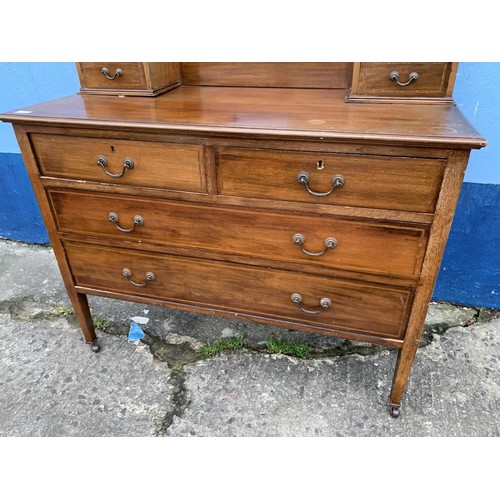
[{"x": 275, "y": 192}]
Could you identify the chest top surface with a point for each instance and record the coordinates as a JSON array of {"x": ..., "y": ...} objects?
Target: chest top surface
[{"x": 277, "y": 112}]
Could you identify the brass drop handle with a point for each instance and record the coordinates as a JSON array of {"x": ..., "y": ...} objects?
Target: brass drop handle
[
  {"x": 338, "y": 181},
  {"x": 105, "y": 72},
  {"x": 113, "y": 217},
  {"x": 324, "y": 304},
  {"x": 128, "y": 164},
  {"x": 128, "y": 274},
  {"x": 412, "y": 77},
  {"x": 299, "y": 240}
]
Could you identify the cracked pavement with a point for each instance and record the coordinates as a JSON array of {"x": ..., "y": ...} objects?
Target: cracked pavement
[{"x": 52, "y": 384}]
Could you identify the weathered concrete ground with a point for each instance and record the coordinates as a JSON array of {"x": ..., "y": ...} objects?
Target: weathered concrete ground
[{"x": 51, "y": 384}]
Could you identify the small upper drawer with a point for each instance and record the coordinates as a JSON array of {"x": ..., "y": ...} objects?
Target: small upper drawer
[
  {"x": 132, "y": 78},
  {"x": 137, "y": 163},
  {"x": 369, "y": 181},
  {"x": 403, "y": 80}
]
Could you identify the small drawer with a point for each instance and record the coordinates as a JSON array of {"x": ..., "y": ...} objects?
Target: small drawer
[
  {"x": 128, "y": 78},
  {"x": 394, "y": 183},
  {"x": 138, "y": 163},
  {"x": 322, "y": 241},
  {"x": 403, "y": 80},
  {"x": 299, "y": 298}
]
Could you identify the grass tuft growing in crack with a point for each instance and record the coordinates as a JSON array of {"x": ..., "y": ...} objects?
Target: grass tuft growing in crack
[
  {"x": 291, "y": 348},
  {"x": 101, "y": 323},
  {"x": 227, "y": 344},
  {"x": 64, "y": 311}
]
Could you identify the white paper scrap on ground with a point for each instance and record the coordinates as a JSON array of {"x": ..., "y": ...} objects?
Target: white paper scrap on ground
[{"x": 140, "y": 320}]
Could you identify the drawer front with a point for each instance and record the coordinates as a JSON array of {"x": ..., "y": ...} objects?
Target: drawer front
[
  {"x": 381, "y": 248},
  {"x": 396, "y": 183},
  {"x": 155, "y": 164},
  {"x": 370, "y": 309},
  {"x": 129, "y": 75},
  {"x": 380, "y": 79}
]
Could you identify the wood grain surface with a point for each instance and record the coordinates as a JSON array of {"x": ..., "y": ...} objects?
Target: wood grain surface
[
  {"x": 374, "y": 79},
  {"x": 410, "y": 184},
  {"x": 137, "y": 78},
  {"x": 362, "y": 245},
  {"x": 371, "y": 309},
  {"x": 267, "y": 74},
  {"x": 296, "y": 113},
  {"x": 156, "y": 164}
]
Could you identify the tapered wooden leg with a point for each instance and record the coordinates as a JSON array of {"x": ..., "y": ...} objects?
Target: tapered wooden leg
[
  {"x": 445, "y": 207},
  {"x": 82, "y": 311},
  {"x": 404, "y": 363}
]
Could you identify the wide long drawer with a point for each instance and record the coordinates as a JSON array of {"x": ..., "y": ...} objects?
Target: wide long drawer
[
  {"x": 129, "y": 162},
  {"x": 395, "y": 183},
  {"x": 325, "y": 241},
  {"x": 291, "y": 296}
]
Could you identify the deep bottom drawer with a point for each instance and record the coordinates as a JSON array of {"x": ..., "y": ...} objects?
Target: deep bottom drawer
[{"x": 355, "y": 307}]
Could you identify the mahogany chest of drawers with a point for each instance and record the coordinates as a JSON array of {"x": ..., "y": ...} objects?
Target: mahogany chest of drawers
[{"x": 282, "y": 204}]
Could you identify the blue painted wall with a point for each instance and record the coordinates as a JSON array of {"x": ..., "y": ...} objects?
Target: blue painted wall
[
  {"x": 23, "y": 84},
  {"x": 477, "y": 94},
  {"x": 470, "y": 271},
  {"x": 20, "y": 217}
]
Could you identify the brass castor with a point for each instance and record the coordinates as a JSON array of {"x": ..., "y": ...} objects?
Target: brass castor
[
  {"x": 394, "y": 411},
  {"x": 94, "y": 346}
]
